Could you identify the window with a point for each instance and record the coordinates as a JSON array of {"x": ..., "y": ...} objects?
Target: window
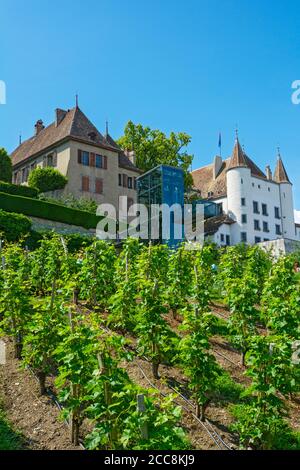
[
  {"x": 98, "y": 186},
  {"x": 99, "y": 163},
  {"x": 258, "y": 186},
  {"x": 256, "y": 225},
  {"x": 33, "y": 166},
  {"x": 15, "y": 177},
  {"x": 50, "y": 160},
  {"x": 124, "y": 181},
  {"x": 243, "y": 237},
  {"x": 264, "y": 209},
  {"x": 85, "y": 183},
  {"x": 23, "y": 175},
  {"x": 129, "y": 182},
  {"x": 253, "y": 185},
  {"x": 266, "y": 239},
  {"x": 265, "y": 227},
  {"x": 120, "y": 179},
  {"x": 243, "y": 201},
  {"x": 257, "y": 240},
  {"x": 255, "y": 207},
  {"x": 277, "y": 229},
  {"x": 222, "y": 237},
  {"x": 227, "y": 240},
  {"x": 134, "y": 182},
  {"x": 242, "y": 181},
  {"x": 277, "y": 214},
  {"x": 244, "y": 218},
  {"x": 269, "y": 191},
  {"x": 85, "y": 158}
]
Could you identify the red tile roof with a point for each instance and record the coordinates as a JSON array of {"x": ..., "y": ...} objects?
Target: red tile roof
[
  {"x": 72, "y": 124},
  {"x": 211, "y": 187}
]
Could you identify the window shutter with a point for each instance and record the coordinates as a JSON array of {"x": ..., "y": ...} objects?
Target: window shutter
[
  {"x": 99, "y": 186},
  {"x": 125, "y": 181},
  {"x": 79, "y": 156},
  {"x": 92, "y": 159},
  {"x": 104, "y": 162},
  {"x": 85, "y": 183}
]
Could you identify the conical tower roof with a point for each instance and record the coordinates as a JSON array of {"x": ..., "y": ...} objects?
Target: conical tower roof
[
  {"x": 280, "y": 175},
  {"x": 238, "y": 158}
]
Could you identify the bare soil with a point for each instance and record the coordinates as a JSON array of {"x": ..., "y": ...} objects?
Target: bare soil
[{"x": 35, "y": 417}]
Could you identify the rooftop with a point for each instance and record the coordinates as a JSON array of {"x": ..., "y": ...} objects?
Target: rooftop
[{"x": 70, "y": 124}]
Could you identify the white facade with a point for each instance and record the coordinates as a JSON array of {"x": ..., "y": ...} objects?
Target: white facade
[{"x": 260, "y": 206}]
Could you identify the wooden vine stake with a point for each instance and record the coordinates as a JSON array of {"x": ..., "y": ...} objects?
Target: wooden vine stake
[
  {"x": 141, "y": 408},
  {"x": 74, "y": 418},
  {"x": 113, "y": 434}
]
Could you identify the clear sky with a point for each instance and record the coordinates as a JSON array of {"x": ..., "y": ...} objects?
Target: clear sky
[{"x": 197, "y": 66}]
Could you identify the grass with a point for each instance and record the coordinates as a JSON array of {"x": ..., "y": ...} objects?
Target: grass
[{"x": 9, "y": 439}]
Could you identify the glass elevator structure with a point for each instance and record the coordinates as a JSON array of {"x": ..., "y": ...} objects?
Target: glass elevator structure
[{"x": 163, "y": 185}]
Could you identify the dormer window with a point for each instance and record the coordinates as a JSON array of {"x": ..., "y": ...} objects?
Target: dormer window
[{"x": 92, "y": 135}]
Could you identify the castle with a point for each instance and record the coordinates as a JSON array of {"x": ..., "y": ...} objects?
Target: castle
[
  {"x": 255, "y": 206},
  {"x": 96, "y": 167}
]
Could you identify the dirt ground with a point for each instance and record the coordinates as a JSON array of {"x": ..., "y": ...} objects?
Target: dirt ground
[{"x": 36, "y": 417}]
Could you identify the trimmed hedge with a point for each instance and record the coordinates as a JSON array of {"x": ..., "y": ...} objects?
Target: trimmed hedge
[
  {"x": 18, "y": 190},
  {"x": 47, "y": 210},
  {"x": 14, "y": 226},
  {"x": 46, "y": 179}
]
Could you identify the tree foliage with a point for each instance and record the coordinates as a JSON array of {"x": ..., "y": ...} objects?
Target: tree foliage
[
  {"x": 153, "y": 147},
  {"x": 5, "y": 166}
]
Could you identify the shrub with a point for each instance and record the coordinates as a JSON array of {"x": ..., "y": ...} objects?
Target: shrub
[
  {"x": 5, "y": 166},
  {"x": 13, "y": 226},
  {"x": 46, "y": 179},
  {"x": 46, "y": 210},
  {"x": 18, "y": 189},
  {"x": 83, "y": 204},
  {"x": 76, "y": 241}
]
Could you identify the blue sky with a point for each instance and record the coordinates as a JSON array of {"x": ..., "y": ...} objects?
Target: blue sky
[{"x": 197, "y": 66}]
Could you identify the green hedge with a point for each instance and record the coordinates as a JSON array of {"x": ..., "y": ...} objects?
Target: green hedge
[
  {"x": 13, "y": 226},
  {"x": 47, "y": 210},
  {"x": 46, "y": 179},
  {"x": 18, "y": 190}
]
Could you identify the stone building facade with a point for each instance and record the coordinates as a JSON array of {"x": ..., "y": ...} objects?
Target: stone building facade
[{"x": 96, "y": 167}]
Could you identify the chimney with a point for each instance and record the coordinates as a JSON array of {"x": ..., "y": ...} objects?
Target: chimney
[
  {"x": 217, "y": 166},
  {"x": 39, "y": 126},
  {"x": 269, "y": 172},
  {"x": 59, "y": 116},
  {"x": 131, "y": 155}
]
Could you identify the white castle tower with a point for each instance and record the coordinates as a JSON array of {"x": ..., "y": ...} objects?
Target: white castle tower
[
  {"x": 238, "y": 182},
  {"x": 286, "y": 199}
]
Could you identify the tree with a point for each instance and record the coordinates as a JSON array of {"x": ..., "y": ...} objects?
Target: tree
[
  {"x": 153, "y": 147},
  {"x": 46, "y": 179},
  {"x": 5, "y": 166}
]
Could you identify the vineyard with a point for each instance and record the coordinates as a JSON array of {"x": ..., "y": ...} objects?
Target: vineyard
[{"x": 150, "y": 348}]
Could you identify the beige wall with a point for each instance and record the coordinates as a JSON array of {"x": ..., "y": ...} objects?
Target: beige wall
[{"x": 67, "y": 164}]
